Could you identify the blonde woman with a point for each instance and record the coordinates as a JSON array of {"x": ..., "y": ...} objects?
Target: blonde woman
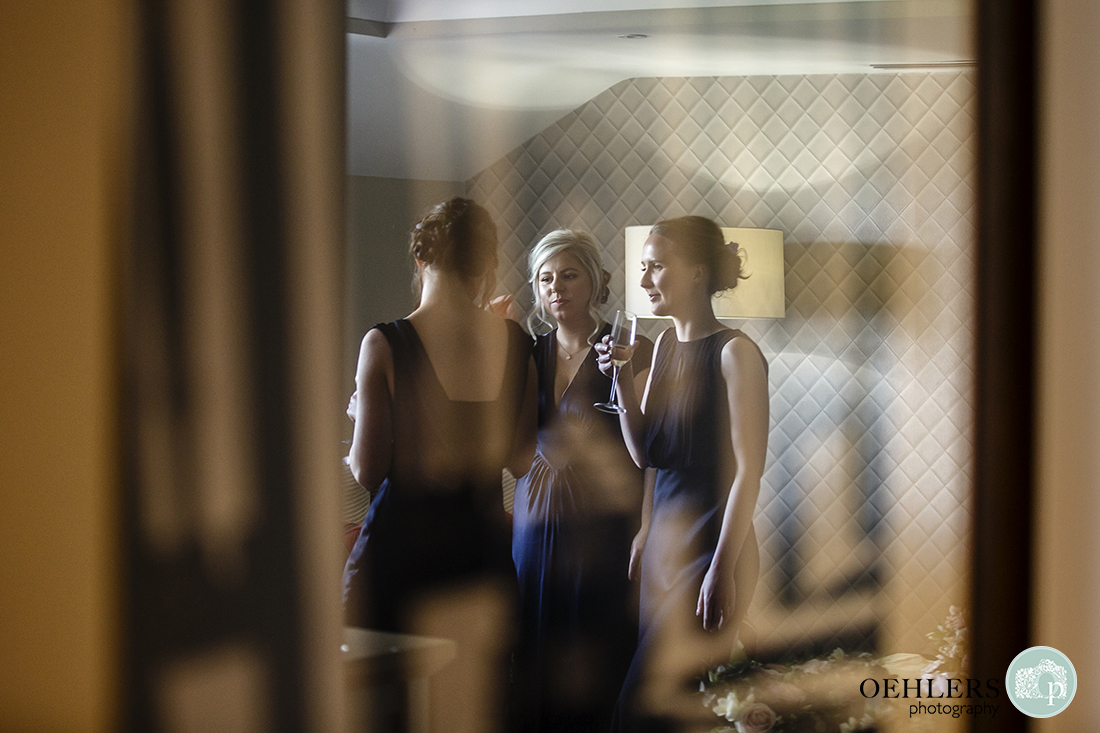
[{"x": 576, "y": 510}]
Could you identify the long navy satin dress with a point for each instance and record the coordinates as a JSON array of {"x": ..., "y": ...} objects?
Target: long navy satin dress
[
  {"x": 575, "y": 516},
  {"x": 687, "y": 439},
  {"x": 437, "y": 523}
]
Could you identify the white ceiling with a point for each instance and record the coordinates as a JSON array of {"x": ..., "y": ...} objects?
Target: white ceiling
[
  {"x": 456, "y": 84},
  {"x": 402, "y": 11}
]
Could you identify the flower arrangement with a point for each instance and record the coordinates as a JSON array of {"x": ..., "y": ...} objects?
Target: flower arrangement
[
  {"x": 816, "y": 695},
  {"x": 953, "y": 655},
  {"x": 822, "y": 695}
]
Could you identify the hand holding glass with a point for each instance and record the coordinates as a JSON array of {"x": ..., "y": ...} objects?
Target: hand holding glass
[{"x": 623, "y": 333}]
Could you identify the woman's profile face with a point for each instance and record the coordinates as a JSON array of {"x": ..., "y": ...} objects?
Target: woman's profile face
[
  {"x": 667, "y": 278},
  {"x": 565, "y": 289}
]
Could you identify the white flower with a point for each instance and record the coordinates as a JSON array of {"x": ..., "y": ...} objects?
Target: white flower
[
  {"x": 853, "y": 725},
  {"x": 756, "y": 718},
  {"x": 931, "y": 668},
  {"x": 905, "y": 665},
  {"x": 727, "y": 707}
]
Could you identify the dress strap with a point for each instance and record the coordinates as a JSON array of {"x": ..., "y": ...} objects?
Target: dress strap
[
  {"x": 408, "y": 350},
  {"x": 402, "y": 340},
  {"x": 546, "y": 366},
  {"x": 665, "y": 347}
]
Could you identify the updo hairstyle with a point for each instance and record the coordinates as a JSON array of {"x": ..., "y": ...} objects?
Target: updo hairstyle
[
  {"x": 459, "y": 237},
  {"x": 699, "y": 241},
  {"x": 582, "y": 246}
]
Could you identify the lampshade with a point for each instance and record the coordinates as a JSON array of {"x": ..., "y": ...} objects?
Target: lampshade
[{"x": 759, "y": 296}]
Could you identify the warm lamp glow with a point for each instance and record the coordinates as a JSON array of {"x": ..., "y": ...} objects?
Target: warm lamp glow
[{"x": 760, "y": 296}]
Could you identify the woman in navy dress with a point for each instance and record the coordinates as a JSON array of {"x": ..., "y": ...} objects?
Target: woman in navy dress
[
  {"x": 703, "y": 424},
  {"x": 445, "y": 400},
  {"x": 575, "y": 512}
]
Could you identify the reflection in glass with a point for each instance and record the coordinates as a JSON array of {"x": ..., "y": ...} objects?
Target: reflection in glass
[{"x": 869, "y": 172}]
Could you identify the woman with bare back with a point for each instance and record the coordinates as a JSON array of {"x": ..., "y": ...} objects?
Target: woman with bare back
[{"x": 445, "y": 399}]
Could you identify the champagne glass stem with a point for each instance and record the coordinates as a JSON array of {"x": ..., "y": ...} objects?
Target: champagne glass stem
[{"x": 614, "y": 383}]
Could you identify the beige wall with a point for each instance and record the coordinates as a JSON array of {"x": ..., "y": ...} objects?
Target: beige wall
[
  {"x": 60, "y": 152},
  {"x": 1067, "y": 571}
]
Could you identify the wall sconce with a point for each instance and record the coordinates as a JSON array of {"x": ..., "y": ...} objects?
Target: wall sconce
[{"x": 760, "y": 296}]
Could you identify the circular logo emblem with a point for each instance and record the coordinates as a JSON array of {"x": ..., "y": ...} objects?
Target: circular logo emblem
[{"x": 1041, "y": 681}]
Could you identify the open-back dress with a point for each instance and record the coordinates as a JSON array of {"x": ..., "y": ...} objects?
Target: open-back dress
[{"x": 437, "y": 525}]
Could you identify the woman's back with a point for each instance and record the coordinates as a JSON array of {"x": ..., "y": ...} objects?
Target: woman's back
[
  {"x": 444, "y": 403},
  {"x": 436, "y": 544},
  {"x": 453, "y": 428},
  {"x": 466, "y": 349}
]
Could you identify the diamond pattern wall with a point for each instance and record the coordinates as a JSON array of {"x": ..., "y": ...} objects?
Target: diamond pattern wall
[{"x": 864, "y": 513}]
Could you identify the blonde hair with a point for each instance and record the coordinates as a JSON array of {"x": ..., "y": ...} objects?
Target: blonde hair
[{"x": 582, "y": 246}]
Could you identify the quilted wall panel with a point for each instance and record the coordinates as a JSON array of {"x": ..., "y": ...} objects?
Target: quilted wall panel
[{"x": 864, "y": 512}]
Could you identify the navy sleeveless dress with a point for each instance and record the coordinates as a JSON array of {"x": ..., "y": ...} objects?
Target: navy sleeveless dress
[
  {"x": 687, "y": 439},
  {"x": 575, "y": 515},
  {"x": 437, "y": 522}
]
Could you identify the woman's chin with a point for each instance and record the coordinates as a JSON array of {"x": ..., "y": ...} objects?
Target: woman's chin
[
  {"x": 563, "y": 316},
  {"x": 576, "y": 316}
]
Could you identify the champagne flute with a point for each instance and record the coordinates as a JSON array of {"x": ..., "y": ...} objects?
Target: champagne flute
[{"x": 624, "y": 330}]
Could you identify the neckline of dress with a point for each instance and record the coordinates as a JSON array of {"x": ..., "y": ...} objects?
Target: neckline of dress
[
  {"x": 580, "y": 366},
  {"x": 703, "y": 338}
]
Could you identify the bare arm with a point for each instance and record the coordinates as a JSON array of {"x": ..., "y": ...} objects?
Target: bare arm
[
  {"x": 372, "y": 441},
  {"x": 747, "y": 388},
  {"x": 637, "y": 547},
  {"x": 523, "y": 443}
]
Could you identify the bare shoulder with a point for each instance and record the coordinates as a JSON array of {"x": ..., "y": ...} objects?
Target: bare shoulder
[
  {"x": 374, "y": 341},
  {"x": 742, "y": 357},
  {"x": 374, "y": 350}
]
